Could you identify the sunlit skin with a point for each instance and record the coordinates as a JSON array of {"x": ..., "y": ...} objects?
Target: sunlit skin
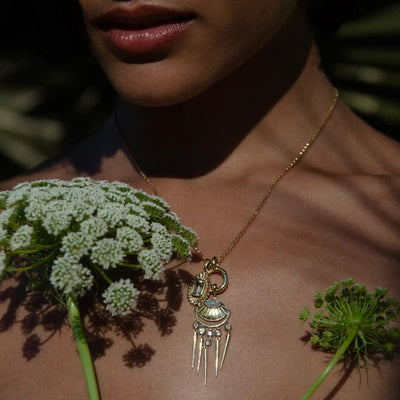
[{"x": 213, "y": 119}]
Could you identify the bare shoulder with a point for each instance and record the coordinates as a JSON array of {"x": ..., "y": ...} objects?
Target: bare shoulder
[
  {"x": 100, "y": 157},
  {"x": 58, "y": 170},
  {"x": 352, "y": 147}
]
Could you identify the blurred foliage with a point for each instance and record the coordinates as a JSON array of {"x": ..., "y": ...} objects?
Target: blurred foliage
[
  {"x": 53, "y": 94},
  {"x": 363, "y": 61}
]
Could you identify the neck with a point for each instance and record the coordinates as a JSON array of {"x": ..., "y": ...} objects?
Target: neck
[{"x": 263, "y": 103}]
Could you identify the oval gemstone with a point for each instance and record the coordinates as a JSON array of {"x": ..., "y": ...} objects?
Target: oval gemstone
[{"x": 213, "y": 303}]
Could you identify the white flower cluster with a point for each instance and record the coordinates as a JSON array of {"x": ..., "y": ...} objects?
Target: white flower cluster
[
  {"x": 107, "y": 253},
  {"x": 2, "y": 262},
  {"x": 70, "y": 277},
  {"x": 91, "y": 226},
  {"x": 22, "y": 237},
  {"x": 3, "y": 234},
  {"x": 120, "y": 297}
]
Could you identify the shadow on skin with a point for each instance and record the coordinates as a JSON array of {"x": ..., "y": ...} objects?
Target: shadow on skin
[{"x": 158, "y": 301}]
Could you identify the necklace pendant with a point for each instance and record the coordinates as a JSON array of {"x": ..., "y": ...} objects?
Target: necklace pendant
[{"x": 211, "y": 328}]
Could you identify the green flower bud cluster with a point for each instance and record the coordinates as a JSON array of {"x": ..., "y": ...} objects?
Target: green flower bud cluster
[{"x": 346, "y": 306}]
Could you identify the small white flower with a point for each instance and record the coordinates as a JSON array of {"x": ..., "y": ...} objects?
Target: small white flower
[
  {"x": 181, "y": 246},
  {"x": 82, "y": 209},
  {"x": 112, "y": 213},
  {"x": 158, "y": 228},
  {"x": 70, "y": 277},
  {"x": 156, "y": 200},
  {"x": 162, "y": 245},
  {"x": 122, "y": 187},
  {"x": 189, "y": 234},
  {"x": 16, "y": 195},
  {"x": 77, "y": 244},
  {"x": 151, "y": 264},
  {"x": 54, "y": 223},
  {"x": 130, "y": 239},
  {"x": 2, "y": 262},
  {"x": 35, "y": 211},
  {"x": 81, "y": 181},
  {"x": 120, "y": 297},
  {"x": 21, "y": 238},
  {"x": 3, "y": 234},
  {"x": 136, "y": 209},
  {"x": 115, "y": 197},
  {"x": 6, "y": 215},
  {"x": 79, "y": 202},
  {"x": 57, "y": 217},
  {"x": 4, "y": 195},
  {"x": 94, "y": 226},
  {"x": 172, "y": 221},
  {"x": 153, "y": 210},
  {"x": 160, "y": 201},
  {"x": 138, "y": 223},
  {"x": 107, "y": 253}
]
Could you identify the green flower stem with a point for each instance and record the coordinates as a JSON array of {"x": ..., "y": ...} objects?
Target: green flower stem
[
  {"x": 32, "y": 249},
  {"x": 36, "y": 264},
  {"x": 83, "y": 348},
  {"x": 339, "y": 353},
  {"x": 123, "y": 264},
  {"x": 103, "y": 274}
]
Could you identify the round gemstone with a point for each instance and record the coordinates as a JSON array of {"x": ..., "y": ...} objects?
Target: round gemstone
[
  {"x": 217, "y": 333},
  {"x": 228, "y": 327},
  {"x": 202, "y": 331},
  {"x": 208, "y": 342},
  {"x": 209, "y": 333},
  {"x": 195, "y": 325}
]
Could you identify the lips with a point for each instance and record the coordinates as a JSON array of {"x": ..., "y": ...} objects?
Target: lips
[{"x": 144, "y": 29}]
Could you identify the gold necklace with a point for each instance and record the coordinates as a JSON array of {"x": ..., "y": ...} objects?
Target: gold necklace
[{"x": 211, "y": 316}]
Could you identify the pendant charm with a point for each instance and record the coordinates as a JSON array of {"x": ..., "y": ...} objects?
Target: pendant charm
[{"x": 210, "y": 327}]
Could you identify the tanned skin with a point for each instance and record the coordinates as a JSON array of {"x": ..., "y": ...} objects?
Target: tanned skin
[{"x": 212, "y": 140}]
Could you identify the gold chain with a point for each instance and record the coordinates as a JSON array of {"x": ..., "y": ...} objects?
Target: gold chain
[{"x": 266, "y": 196}]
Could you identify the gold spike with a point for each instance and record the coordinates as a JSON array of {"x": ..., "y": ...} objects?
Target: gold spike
[
  {"x": 200, "y": 350},
  {"x": 194, "y": 347},
  {"x": 216, "y": 355},
  {"x": 225, "y": 348},
  {"x": 205, "y": 365}
]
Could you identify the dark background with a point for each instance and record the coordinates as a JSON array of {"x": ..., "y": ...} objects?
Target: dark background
[{"x": 53, "y": 94}]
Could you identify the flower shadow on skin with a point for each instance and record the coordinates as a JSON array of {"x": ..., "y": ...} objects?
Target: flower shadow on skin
[{"x": 158, "y": 301}]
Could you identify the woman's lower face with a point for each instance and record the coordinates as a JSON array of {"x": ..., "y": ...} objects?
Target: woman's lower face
[{"x": 158, "y": 53}]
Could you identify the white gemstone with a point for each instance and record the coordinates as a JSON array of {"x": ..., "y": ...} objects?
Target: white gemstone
[
  {"x": 202, "y": 331},
  {"x": 209, "y": 333},
  {"x": 218, "y": 333},
  {"x": 198, "y": 287}
]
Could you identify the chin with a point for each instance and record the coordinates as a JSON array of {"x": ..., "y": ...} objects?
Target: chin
[
  {"x": 156, "y": 97},
  {"x": 159, "y": 84}
]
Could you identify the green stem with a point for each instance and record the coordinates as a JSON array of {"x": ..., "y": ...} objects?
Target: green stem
[
  {"x": 124, "y": 264},
  {"x": 32, "y": 250},
  {"x": 34, "y": 265},
  {"x": 339, "y": 353},
  {"x": 103, "y": 274},
  {"x": 83, "y": 348}
]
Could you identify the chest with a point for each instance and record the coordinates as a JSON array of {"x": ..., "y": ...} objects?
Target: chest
[{"x": 297, "y": 246}]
